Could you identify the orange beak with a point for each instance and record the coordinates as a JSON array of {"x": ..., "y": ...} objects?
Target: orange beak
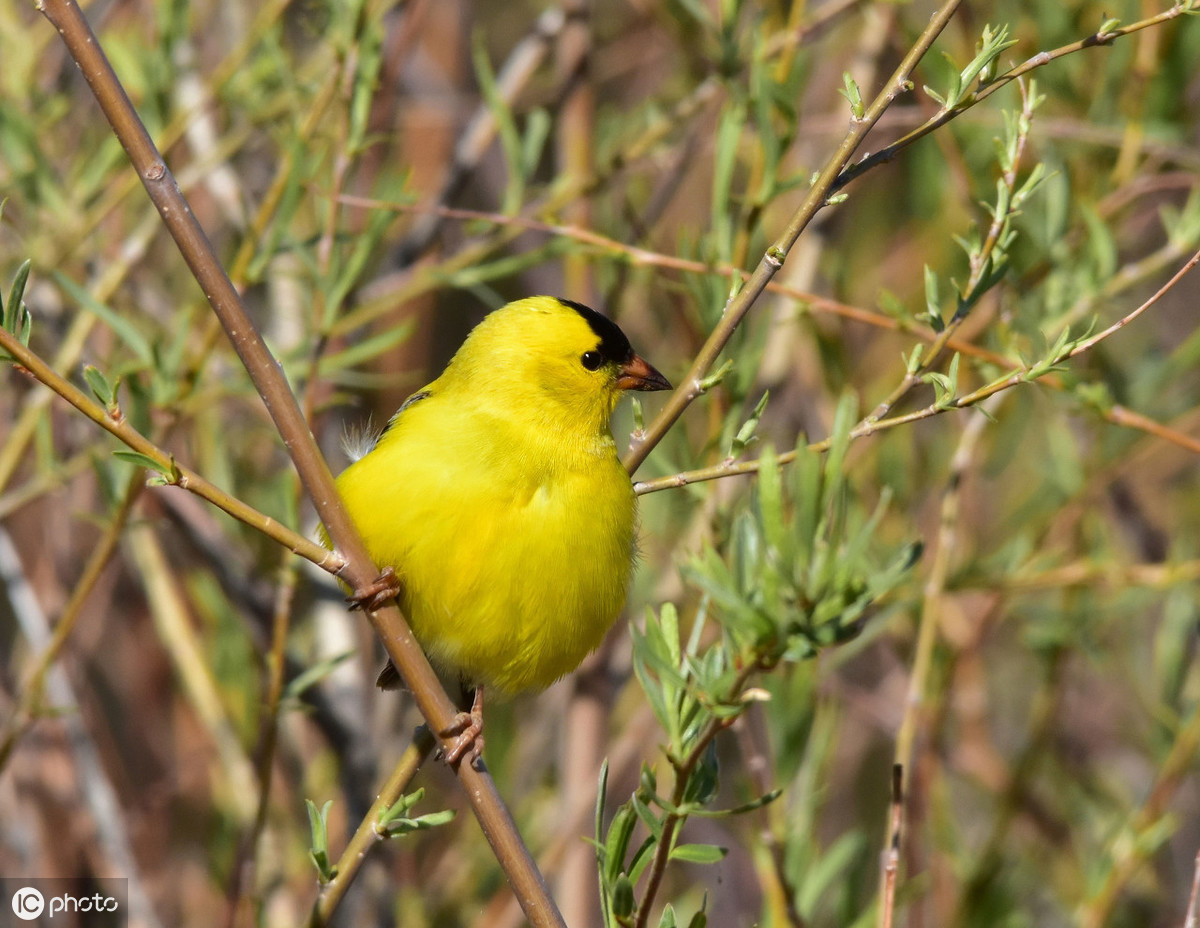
[{"x": 636, "y": 374}]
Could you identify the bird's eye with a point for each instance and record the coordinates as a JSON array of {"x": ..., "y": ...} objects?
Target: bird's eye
[{"x": 592, "y": 360}]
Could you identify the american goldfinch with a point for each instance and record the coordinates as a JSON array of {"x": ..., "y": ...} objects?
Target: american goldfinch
[{"x": 495, "y": 500}]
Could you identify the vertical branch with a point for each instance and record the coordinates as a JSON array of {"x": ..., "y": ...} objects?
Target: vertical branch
[
  {"x": 247, "y": 855},
  {"x": 891, "y": 858},
  {"x": 915, "y": 708}
]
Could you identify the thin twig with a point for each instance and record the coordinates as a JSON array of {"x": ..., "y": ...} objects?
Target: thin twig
[
  {"x": 264, "y": 761},
  {"x": 172, "y": 471},
  {"x": 1012, "y": 379},
  {"x": 891, "y": 858},
  {"x": 915, "y": 717},
  {"x": 935, "y": 586},
  {"x": 1192, "y": 914},
  {"x": 943, "y": 116},
  {"x": 1089, "y": 343}
]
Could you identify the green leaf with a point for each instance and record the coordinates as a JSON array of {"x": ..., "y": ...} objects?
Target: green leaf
[
  {"x": 402, "y": 805},
  {"x": 954, "y": 93},
  {"x": 843, "y": 421},
  {"x": 648, "y": 779},
  {"x": 622, "y": 897},
  {"x": 707, "y": 383},
  {"x": 601, "y": 799},
  {"x": 851, "y": 92},
  {"x": 699, "y": 853},
  {"x": 1037, "y": 176},
  {"x": 668, "y": 620},
  {"x": 15, "y": 317},
  {"x": 101, "y": 388},
  {"x": 650, "y": 684},
  {"x": 349, "y": 268},
  {"x": 16, "y": 296},
  {"x": 704, "y": 780},
  {"x": 729, "y": 134},
  {"x": 770, "y": 500},
  {"x": 617, "y": 844},
  {"x": 432, "y": 819},
  {"x": 639, "y": 417},
  {"x": 537, "y": 130},
  {"x": 828, "y": 867},
  {"x": 652, "y": 822},
  {"x": 933, "y": 305},
  {"x": 641, "y": 858},
  {"x": 317, "y": 823},
  {"x": 169, "y": 471},
  {"x": 399, "y": 825},
  {"x": 745, "y": 434},
  {"x": 991, "y": 45},
  {"x": 318, "y": 827},
  {"x": 742, "y": 809}
]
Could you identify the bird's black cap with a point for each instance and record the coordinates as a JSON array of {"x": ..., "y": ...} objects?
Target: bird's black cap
[{"x": 614, "y": 346}]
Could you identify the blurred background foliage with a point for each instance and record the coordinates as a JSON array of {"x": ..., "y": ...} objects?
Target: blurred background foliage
[{"x": 1034, "y": 669}]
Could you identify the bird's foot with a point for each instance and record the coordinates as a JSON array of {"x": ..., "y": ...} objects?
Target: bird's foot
[
  {"x": 377, "y": 594},
  {"x": 468, "y": 726}
]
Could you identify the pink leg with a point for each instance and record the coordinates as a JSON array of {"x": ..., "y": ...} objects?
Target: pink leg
[
  {"x": 378, "y": 594},
  {"x": 469, "y": 728}
]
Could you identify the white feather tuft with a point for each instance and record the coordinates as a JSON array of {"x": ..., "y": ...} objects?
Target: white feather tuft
[{"x": 359, "y": 439}]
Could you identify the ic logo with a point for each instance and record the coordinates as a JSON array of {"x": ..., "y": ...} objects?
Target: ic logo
[{"x": 28, "y": 903}]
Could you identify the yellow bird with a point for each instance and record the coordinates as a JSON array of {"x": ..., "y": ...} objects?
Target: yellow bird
[{"x": 496, "y": 504}]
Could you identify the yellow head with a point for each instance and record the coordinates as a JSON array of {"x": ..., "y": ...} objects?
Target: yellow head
[{"x": 554, "y": 359}]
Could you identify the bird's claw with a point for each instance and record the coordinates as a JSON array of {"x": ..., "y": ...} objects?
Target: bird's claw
[
  {"x": 468, "y": 726},
  {"x": 376, "y": 594}
]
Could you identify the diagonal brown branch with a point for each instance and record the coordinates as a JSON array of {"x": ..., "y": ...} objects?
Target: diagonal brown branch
[
  {"x": 272, "y": 386},
  {"x": 735, "y": 310}
]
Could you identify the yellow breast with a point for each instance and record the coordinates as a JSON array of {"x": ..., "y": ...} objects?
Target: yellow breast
[{"x": 514, "y": 547}]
